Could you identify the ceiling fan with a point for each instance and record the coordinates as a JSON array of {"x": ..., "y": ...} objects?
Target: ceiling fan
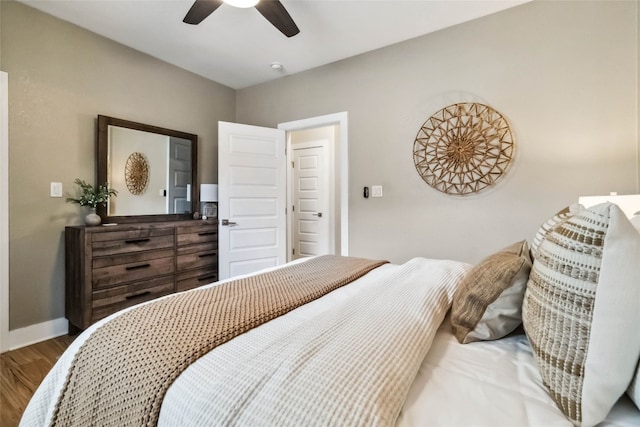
[{"x": 273, "y": 10}]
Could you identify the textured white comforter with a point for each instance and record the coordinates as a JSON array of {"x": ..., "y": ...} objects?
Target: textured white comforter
[{"x": 350, "y": 364}]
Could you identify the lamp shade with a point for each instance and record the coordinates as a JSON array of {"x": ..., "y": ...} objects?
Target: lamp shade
[
  {"x": 208, "y": 192},
  {"x": 629, "y": 204}
]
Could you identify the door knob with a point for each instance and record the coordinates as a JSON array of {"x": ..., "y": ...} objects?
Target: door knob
[
  {"x": 228, "y": 223},
  {"x": 319, "y": 214}
]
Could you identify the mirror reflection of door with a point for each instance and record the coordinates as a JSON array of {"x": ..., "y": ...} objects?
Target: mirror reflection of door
[
  {"x": 311, "y": 191},
  {"x": 179, "y": 175}
]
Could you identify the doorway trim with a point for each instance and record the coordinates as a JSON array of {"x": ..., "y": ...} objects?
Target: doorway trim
[
  {"x": 4, "y": 212},
  {"x": 342, "y": 156}
]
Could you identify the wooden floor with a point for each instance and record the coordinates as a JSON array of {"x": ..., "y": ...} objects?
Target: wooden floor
[{"x": 21, "y": 371}]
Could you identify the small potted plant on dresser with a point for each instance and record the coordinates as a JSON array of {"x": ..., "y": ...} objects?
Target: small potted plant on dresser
[{"x": 91, "y": 197}]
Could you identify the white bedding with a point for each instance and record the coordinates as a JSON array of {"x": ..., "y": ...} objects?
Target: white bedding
[
  {"x": 480, "y": 384},
  {"x": 492, "y": 384}
]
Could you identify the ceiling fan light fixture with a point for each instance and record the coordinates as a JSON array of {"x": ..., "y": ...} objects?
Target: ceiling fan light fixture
[
  {"x": 272, "y": 10},
  {"x": 242, "y": 3}
]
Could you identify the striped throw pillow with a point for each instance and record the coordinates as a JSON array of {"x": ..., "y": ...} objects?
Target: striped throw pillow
[
  {"x": 556, "y": 220},
  {"x": 581, "y": 311}
]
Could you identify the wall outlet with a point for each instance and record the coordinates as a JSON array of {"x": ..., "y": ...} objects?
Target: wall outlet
[
  {"x": 55, "y": 189},
  {"x": 376, "y": 191}
]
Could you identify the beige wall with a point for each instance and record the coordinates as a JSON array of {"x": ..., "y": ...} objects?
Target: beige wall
[
  {"x": 60, "y": 78},
  {"x": 563, "y": 73}
]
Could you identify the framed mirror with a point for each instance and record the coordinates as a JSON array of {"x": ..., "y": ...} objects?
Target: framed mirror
[{"x": 153, "y": 169}]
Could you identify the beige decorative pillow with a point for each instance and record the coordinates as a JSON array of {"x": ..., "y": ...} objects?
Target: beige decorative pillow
[
  {"x": 557, "y": 219},
  {"x": 581, "y": 311},
  {"x": 487, "y": 304}
]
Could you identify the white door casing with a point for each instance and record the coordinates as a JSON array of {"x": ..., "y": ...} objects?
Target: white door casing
[
  {"x": 311, "y": 214},
  {"x": 342, "y": 164},
  {"x": 4, "y": 212},
  {"x": 252, "y": 198}
]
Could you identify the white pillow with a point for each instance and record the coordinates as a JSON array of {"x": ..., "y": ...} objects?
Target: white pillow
[
  {"x": 634, "y": 388},
  {"x": 581, "y": 311}
]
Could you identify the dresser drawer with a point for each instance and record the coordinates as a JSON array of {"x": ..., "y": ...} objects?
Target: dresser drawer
[
  {"x": 117, "y": 269},
  {"x": 195, "y": 278},
  {"x": 108, "y": 301},
  {"x": 188, "y": 235},
  {"x": 121, "y": 242},
  {"x": 196, "y": 256}
]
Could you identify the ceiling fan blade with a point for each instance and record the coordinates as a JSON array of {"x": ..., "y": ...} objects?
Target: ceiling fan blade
[
  {"x": 200, "y": 10},
  {"x": 275, "y": 13}
]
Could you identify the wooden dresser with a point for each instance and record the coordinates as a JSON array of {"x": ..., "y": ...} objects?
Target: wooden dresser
[{"x": 109, "y": 268}]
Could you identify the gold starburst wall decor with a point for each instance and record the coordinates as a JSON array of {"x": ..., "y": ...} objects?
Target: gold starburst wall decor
[
  {"x": 136, "y": 173},
  {"x": 463, "y": 148}
]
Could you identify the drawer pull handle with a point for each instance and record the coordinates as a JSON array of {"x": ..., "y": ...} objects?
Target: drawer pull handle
[
  {"x": 207, "y": 233},
  {"x": 137, "y": 240},
  {"x": 138, "y": 267},
  {"x": 207, "y": 255},
  {"x": 207, "y": 277},
  {"x": 141, "y": 294}
]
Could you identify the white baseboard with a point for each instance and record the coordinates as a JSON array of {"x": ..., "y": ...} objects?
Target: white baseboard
[{"x": 39, "y": 332}]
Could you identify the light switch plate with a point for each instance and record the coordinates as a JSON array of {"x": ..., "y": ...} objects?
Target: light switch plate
[
  {"x": 376, "y": 191},
  {"x": 55, "y": 189}
]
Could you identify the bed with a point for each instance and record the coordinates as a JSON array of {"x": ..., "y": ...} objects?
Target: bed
[{"x": 384, "y": 349}]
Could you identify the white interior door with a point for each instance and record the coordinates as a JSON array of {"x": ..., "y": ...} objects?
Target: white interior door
[
  {"x": 311, "y": 213},
  {"x": 251, "y": 198}
]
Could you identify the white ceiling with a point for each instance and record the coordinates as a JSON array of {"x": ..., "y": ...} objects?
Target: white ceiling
[{"x": 235, "y": 47}]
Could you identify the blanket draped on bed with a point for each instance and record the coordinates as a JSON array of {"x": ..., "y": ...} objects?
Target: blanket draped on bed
[{"x": 121, "y": 373}]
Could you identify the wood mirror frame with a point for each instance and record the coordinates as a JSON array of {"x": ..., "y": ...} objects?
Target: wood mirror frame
[{"x": 102, "y": 157}]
